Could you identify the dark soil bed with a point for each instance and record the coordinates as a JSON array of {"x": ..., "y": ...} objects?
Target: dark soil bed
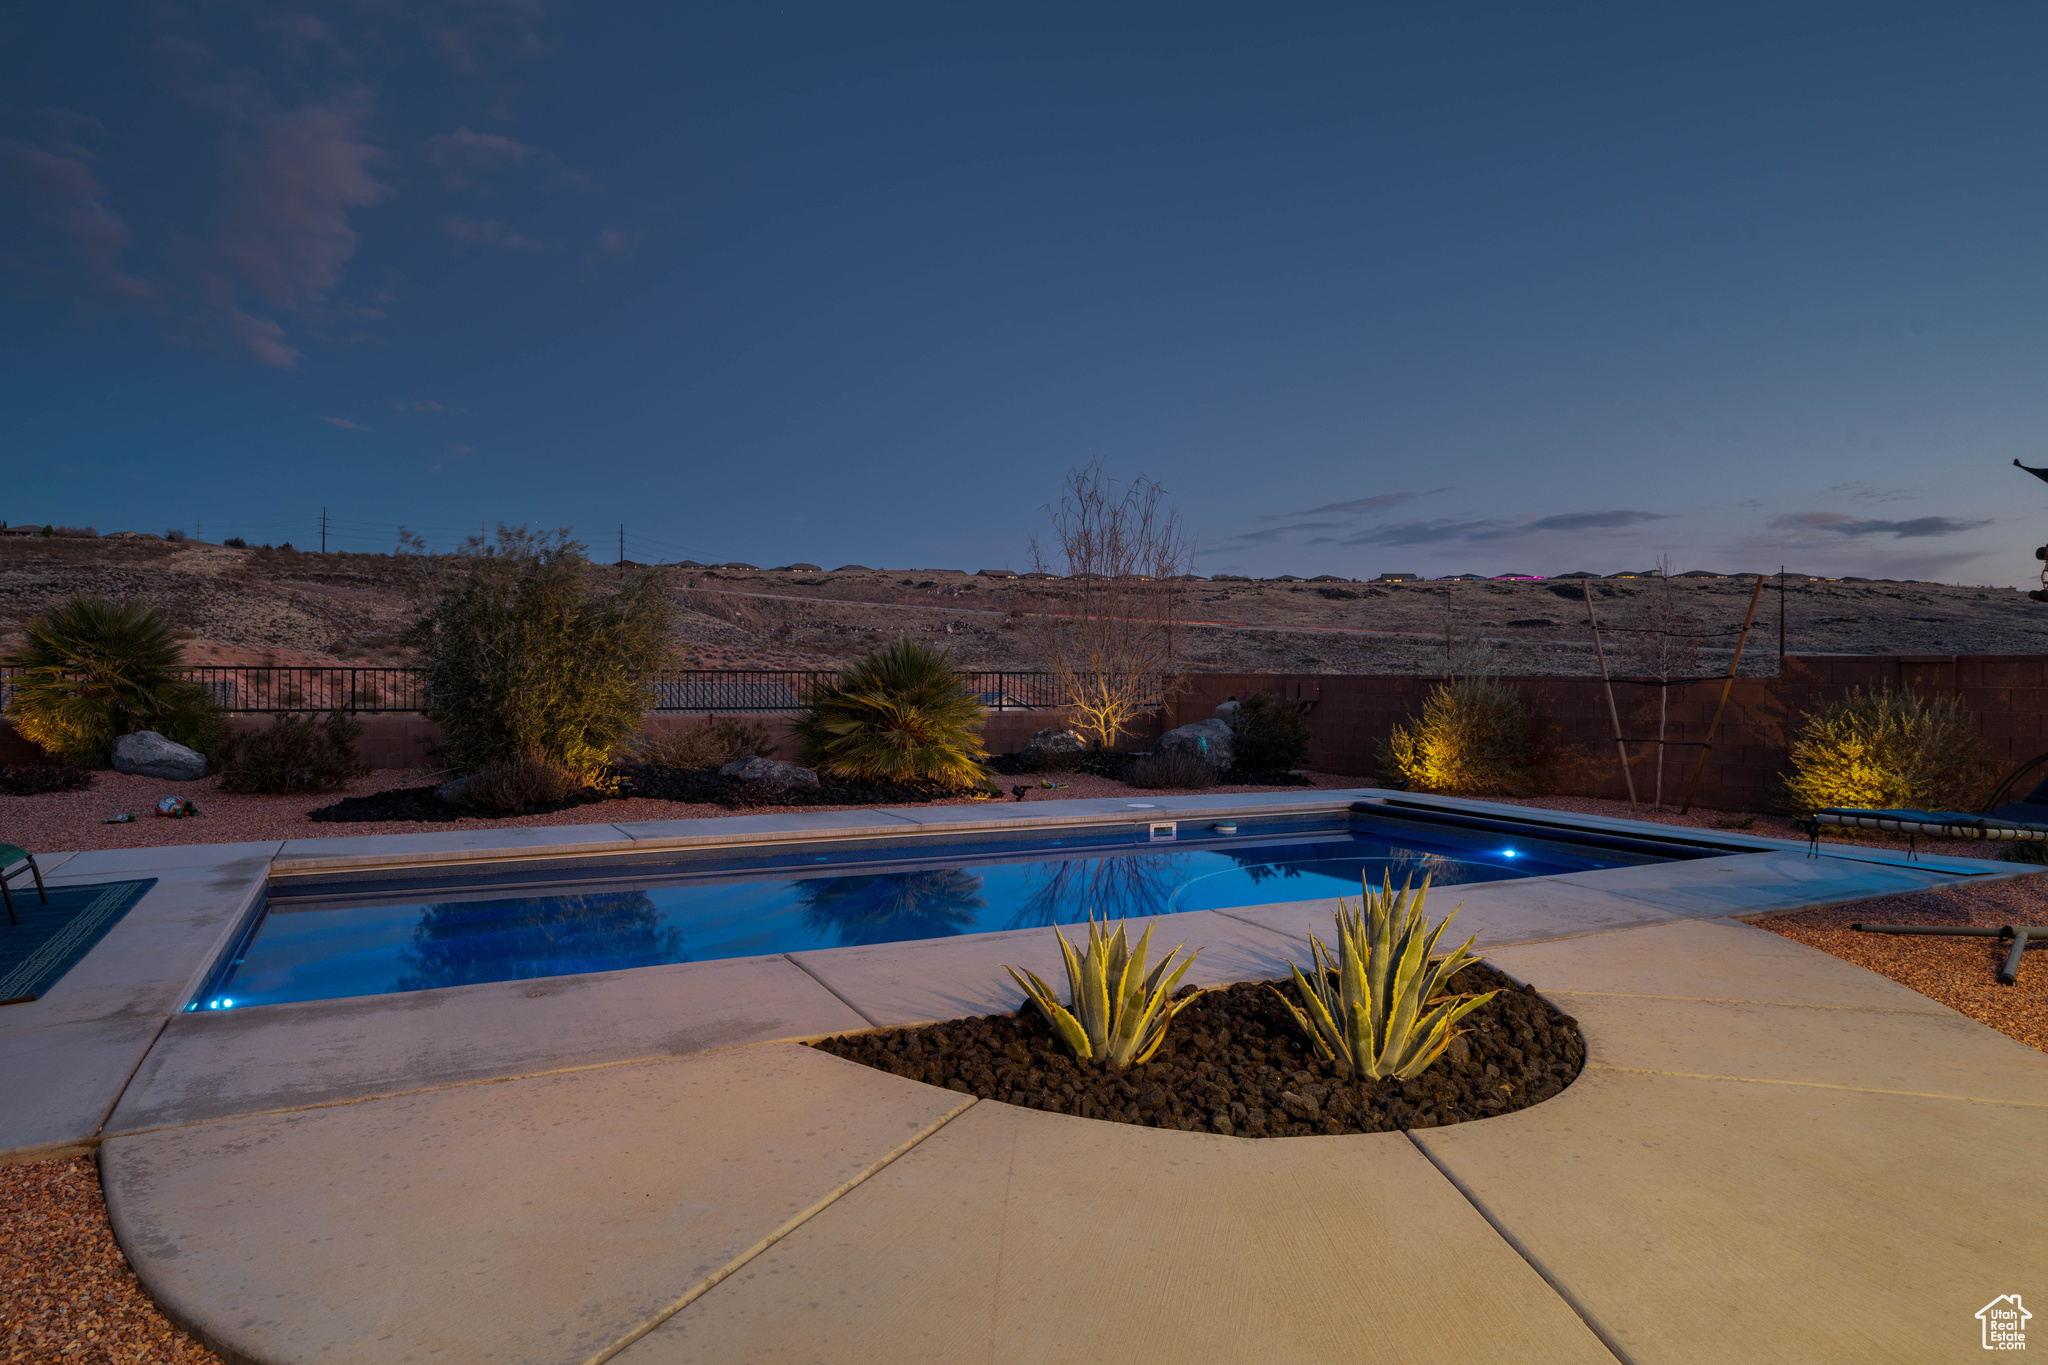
[
  {"x": 702, "y": 785},
  {"x": 1117, "y": 768},
  {"x": 1234, "y": 1062}
]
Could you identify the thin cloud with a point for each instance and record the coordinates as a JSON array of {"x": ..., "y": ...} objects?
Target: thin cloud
[
  {"x": 293, "y": 178},
  {"x": 262, "y": 338},
  {"x": 343, "y": 423},
  {"x": 67, "y": 196},
  {"x": 1378, "y": 502},
  {"x": 1840, "y": 524},
  {"x": 466, "y": 158},
  {"x": 489, "y": 234},
  {"x": 1431, "y": 532},
  {"x": 614, "y": 244},
  {"x": 1595, "y": 521}
]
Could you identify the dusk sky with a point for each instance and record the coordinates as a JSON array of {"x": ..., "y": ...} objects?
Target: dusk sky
[{"x": 1369, "y": 288}]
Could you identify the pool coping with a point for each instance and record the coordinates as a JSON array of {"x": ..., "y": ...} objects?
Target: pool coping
[{"x": 1664, "y": 1040}]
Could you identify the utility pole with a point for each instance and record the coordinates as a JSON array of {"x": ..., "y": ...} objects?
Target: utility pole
[
  {"x": 323, "y": 530},
  {"x": 1781, "y": 620},
  {"x": 622, "y": 544}
]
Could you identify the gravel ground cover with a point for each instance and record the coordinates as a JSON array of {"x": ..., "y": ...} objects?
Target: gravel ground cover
[
  {"x": 58, "y": 822},
  {"x": 1235, "y": 1062},
  {"x": 66, "y": 1292},
  {"x": 1961, "y": 973}
]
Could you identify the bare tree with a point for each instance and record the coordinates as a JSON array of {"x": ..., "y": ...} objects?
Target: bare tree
[
  {"x": 1110, "y": 628},
  {"x": 1658, "y": 639}
]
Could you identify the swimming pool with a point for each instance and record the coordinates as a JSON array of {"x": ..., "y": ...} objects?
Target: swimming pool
[{"x": 420, "y": 931}]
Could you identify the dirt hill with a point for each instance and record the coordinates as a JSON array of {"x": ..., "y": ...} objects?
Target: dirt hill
[{"x": 287, "y": 607}]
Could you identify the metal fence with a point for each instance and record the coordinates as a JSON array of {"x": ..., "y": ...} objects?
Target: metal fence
[{"x": 255, "y": 688}]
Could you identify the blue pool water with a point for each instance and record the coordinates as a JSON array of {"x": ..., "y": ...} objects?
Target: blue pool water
[{"x": 372, "y": 941}]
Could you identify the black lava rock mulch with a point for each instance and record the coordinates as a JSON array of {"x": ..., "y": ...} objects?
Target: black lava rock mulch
[
  {"x": 702, "y": 785},
  {"x": 1117, "y": 768},
  {"x": 1235, "y": 1062}
]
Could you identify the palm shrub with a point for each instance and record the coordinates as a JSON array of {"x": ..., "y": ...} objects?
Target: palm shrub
[
  {"x": 1474, "y": 735},
  {"x": 1380, "y": 1006},
  {"x": 1118, "y": 1011},
  {"x": 898, "y": 715},
  {"x": 1888, "y": 748},
  {"x": 92, "y": 670},
  {"x": 294, "y": 754},
  {"x": 528, "y": 651},
  {"x": 1272, "y": 735}
]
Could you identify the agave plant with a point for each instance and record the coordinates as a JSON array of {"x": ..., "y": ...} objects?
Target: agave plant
[
  {"x": 1120, "y": 1011},
  {"x": 91, "y": 671},
  {"x": 899, "y": 715},
  {"x": 1387, "y": 1011}
]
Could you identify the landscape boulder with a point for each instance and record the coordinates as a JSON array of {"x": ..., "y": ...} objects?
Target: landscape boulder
[
  {"x": 148, "y": 754},
  {"x": 1211, "y": 739},
  {"x": 768, "y": 775},
  {"x": 1054, "y": 746}
]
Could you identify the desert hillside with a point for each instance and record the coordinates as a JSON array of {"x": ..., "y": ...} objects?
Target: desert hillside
[{"x": 287, "y": 607}]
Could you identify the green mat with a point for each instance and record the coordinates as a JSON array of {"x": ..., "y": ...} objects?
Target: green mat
[{"x": 49, "y": 941}]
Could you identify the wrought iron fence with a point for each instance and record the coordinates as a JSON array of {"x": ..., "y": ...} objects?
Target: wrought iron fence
[{"x": 266, "y": 689}]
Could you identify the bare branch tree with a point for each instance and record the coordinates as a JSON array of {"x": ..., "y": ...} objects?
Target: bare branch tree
[
  {"x": 1658, "y": 638},
  {"x": 1110, "y": 628}
]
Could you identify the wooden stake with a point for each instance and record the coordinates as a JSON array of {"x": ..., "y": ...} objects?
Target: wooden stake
[
  {"x": 1613, "y": 712},
  {"x": 1727, "y": 685}
]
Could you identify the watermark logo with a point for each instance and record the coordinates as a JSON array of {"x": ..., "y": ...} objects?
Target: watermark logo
[{"x": 2005, "y": 1323}]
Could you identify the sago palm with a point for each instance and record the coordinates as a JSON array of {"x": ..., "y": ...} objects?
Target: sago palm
[
  {"x": 899, "y": 715},
  {"x": 92, "y": 670}
]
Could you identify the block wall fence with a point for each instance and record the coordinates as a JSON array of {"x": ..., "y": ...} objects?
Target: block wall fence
[{"x": 1350, "y": 714}]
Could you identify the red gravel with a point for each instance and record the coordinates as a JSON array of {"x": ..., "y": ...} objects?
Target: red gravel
[
  {"x": 71, "y": 821},
  {"x": 66, "y": 1292}
]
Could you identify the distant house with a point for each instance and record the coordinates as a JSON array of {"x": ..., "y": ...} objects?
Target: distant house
[
  {"x": 1578, "y": 573},
  {"x": 1399, "y": 578},
  {"x": 995, "y": 573},
  {"x": 1287, "y": 578},
  {"x": 22, "y": 530},
  {"x": 1328, "y": 578},
  {"x": 1700, "y": 573},
  {"x": 1463, "y": 578},
  {"x": 1518, "y": 578}
]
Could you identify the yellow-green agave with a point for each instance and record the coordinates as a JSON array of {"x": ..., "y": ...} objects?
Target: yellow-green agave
[
  {"x": 1387, "y": 1012},
  {"x": 1120, "y": 1012}
]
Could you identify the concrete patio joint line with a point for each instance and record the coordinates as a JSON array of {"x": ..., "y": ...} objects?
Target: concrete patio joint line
[
  {"x": 1733, "y": 1000},
  {"x": 796, "y": 1221},
  {"x": 1815, "y": 1085},
  {"x": 874, "y": 1022},
  {"x": 1557, "y": 1286}
]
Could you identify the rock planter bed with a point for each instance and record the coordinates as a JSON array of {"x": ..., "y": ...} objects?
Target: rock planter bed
[
  {"x": 1117, "y": 768},
  {"x": 702, "y": 785},
  {"x": 1235, "y": 1063}
]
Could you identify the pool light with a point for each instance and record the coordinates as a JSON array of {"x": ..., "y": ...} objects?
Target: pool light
[{"x": 1509, "y": 853}]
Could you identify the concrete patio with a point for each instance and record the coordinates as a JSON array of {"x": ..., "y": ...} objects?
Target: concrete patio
[{"x": 1772, "y": 1154}]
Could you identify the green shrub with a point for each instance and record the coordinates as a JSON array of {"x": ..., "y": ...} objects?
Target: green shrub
[
  {"x": 1380, "y": 1006},
  {"x": 899, "y": 715},
  {"x": 294, "y": 754},
  {"x": 527, "y": 650},
  {"x": 235, "y": 543},
  {"x": 2036, "y": 854},
  {"x": 517, "y": 784},
  {"x": 42, "y": 779},
  {"x": 1117, "y": 1013},
  {"x": 1882, "y": 749},
  {"x": 705, "y": 746},
  {"x": 92, "y": 670},
  {"x": 1175, "y": 768},
  {"x": 1272, "y": 735},
  {"x": 1474, "y": 735}
]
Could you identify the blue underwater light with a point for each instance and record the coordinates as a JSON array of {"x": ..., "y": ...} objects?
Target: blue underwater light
[{"x": 1509, "y": 853}]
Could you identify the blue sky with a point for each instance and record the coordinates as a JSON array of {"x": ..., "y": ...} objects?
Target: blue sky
[{"x": 1368, "y": 288}]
